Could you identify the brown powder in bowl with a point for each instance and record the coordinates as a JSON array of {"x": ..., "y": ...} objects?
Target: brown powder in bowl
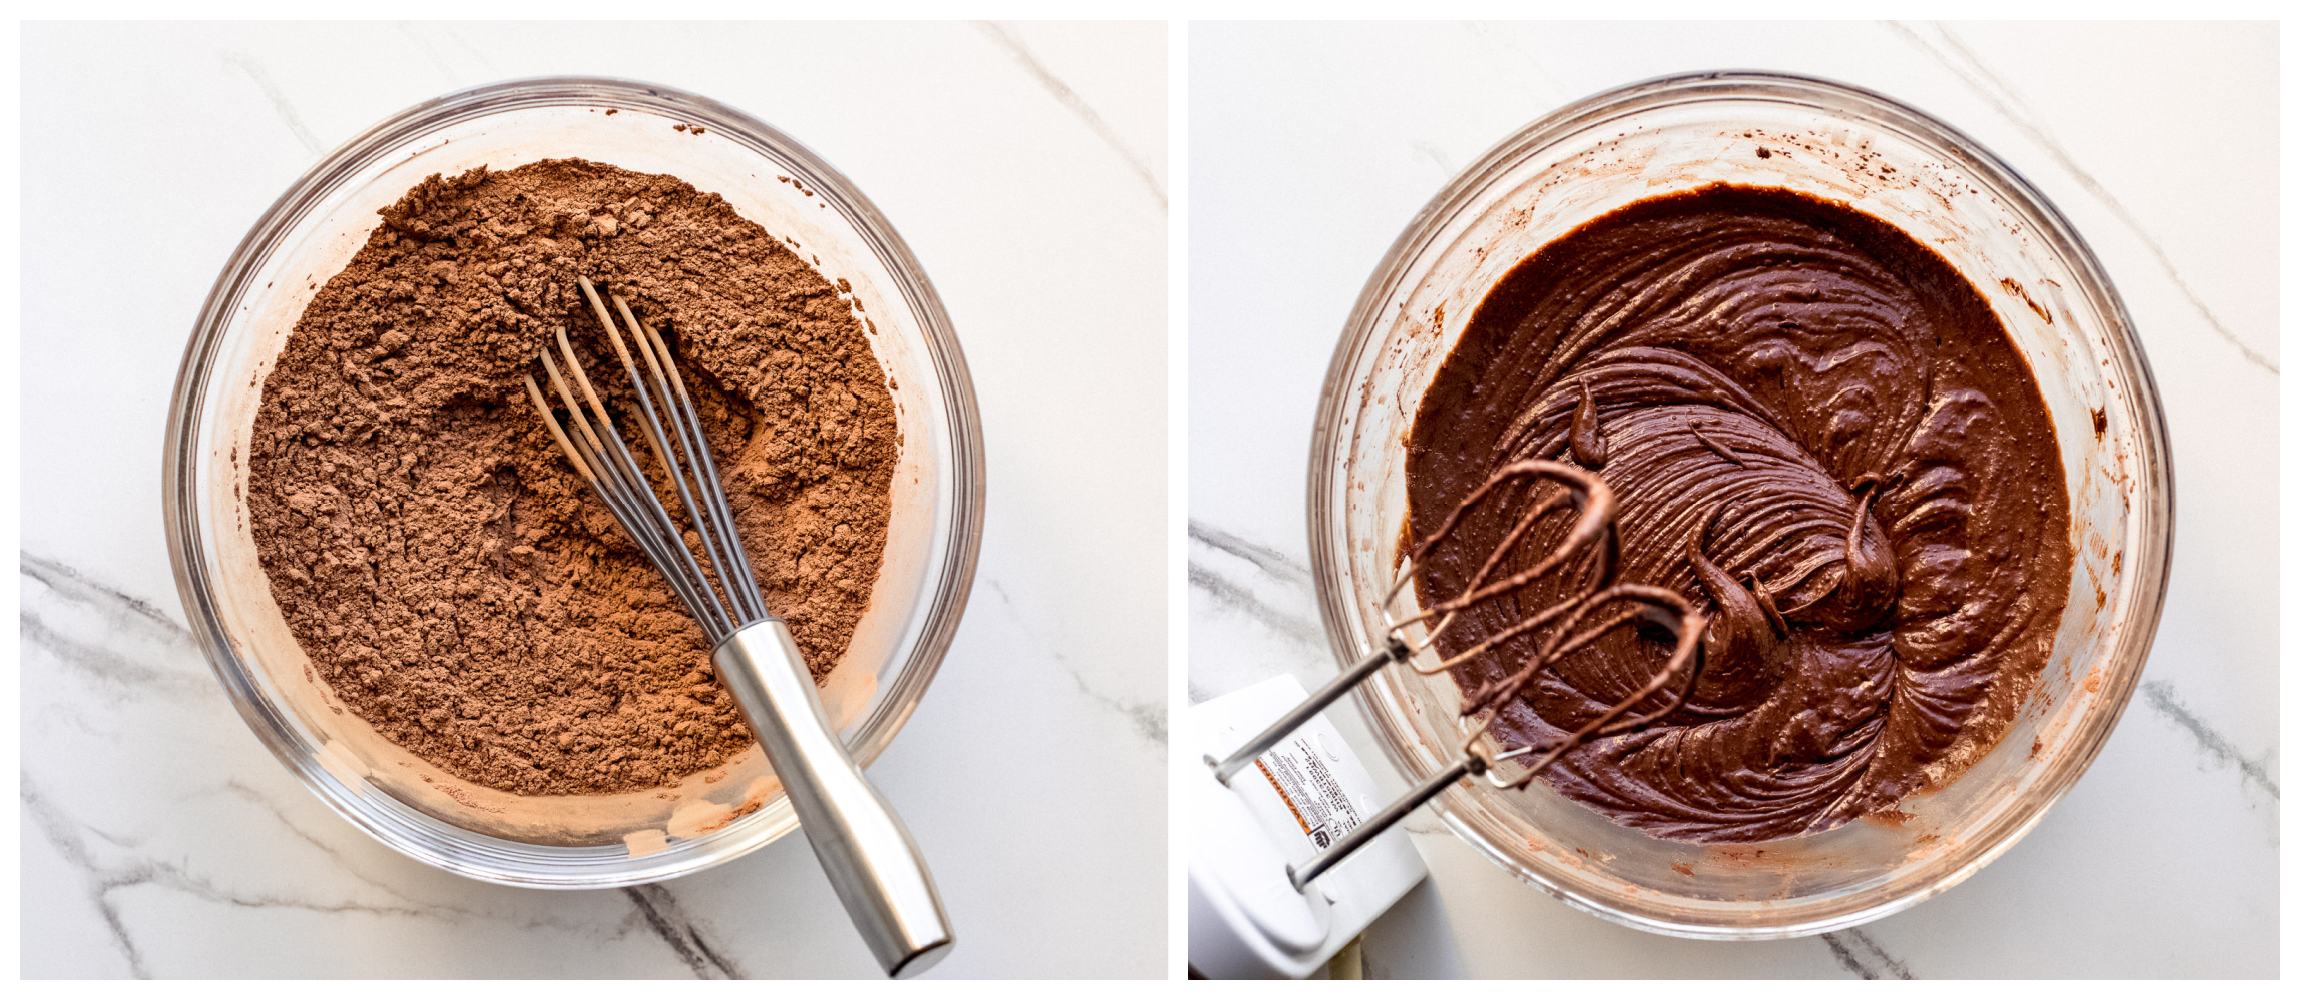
[{"x": 453, "y": 580}]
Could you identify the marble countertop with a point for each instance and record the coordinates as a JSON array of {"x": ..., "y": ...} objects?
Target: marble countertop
[
  {"x": 161, "y": 839},
  {"x": 1311, "y": 147}
]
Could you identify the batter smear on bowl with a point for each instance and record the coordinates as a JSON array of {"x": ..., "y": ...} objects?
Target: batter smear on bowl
[
  {"x": 451, "y": 578},
  {"x": 1816, "y": 429}
]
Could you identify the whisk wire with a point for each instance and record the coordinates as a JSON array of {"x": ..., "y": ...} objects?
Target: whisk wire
[
  {"x": 713, "y": 548},
  {"x": 642, "y": 513},
  {"x": 597, "y": 473},
  {"x": 715, "y": 501},
  {"x": 559, "y": 434},
  {"x": 687, "y": 431}
]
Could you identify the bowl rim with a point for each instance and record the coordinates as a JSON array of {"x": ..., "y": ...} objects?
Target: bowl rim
[
  {"x": 180, "y": 486},
  {"x": 2149, "y": 568}
]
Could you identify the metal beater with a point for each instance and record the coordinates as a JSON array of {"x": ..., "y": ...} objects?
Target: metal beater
[
  {"x": 859, "y": 841},
  {"x": 1590, "y": 549}
]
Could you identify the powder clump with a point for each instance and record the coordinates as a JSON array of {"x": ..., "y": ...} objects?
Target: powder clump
[{"x": 452, "y": 579}]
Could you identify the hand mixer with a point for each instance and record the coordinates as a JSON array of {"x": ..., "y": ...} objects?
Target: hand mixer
[
  {"x": 1247, "y": 917},
  {"x": 860, "y": 842}
]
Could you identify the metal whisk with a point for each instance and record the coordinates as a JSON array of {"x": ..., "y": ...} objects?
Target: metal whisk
[
  {"x": 860, "y": 842},
  {"x": 1591, "y": 549}
]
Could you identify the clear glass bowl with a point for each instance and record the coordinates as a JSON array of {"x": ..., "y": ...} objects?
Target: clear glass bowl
[
  {"x": 313, "y": 231},
  {"x": 1882, "y": 158}
]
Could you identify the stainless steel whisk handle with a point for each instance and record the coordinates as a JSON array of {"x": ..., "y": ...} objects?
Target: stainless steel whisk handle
[
  {"x": 865, "y": 850},
  {"x": 859, "y": 841}
]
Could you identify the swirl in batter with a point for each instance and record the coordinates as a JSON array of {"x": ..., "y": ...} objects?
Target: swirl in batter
[{"x": 1815, "y": 426}]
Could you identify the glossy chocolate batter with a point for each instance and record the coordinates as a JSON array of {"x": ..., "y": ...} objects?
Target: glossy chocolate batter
[{"x": 1818, "y": 431}]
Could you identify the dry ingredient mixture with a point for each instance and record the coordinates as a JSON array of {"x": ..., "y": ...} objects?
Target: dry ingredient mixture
[
  {"x": 452, "y": 579},
  {"x": 1816, "y": 429}
]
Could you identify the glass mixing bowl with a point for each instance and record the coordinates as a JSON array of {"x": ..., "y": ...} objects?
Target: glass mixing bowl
[
  {"x": 1883, "y": 158},
  {"x": 313, "y": 231}
]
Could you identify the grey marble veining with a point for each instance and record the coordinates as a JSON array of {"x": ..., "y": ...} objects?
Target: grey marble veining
[
  {"x": 112, "y": 677},
  {"x": 2159, "y": 697},
  {"x": 1149, "y": 170},
  {"x": 1941, "y": 43}
]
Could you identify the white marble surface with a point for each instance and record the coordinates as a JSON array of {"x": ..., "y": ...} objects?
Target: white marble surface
[
  {"x": 1026, "y": 166},
  {"x": 1311, "y": 147}
]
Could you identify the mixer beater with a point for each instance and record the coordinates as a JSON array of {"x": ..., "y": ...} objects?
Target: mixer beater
[{"x": 1595, "y": 605}]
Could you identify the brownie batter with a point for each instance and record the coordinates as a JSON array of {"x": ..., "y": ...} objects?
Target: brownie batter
[
  {"x": 452, "y": 579},
  {"x": 1818, "y": 431}
]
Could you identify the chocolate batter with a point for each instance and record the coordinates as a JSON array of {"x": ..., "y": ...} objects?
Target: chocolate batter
[{"x": 1815, "y": 427}]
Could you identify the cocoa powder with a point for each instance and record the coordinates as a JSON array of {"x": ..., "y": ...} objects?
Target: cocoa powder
[{"x": 452, "y": 579}]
